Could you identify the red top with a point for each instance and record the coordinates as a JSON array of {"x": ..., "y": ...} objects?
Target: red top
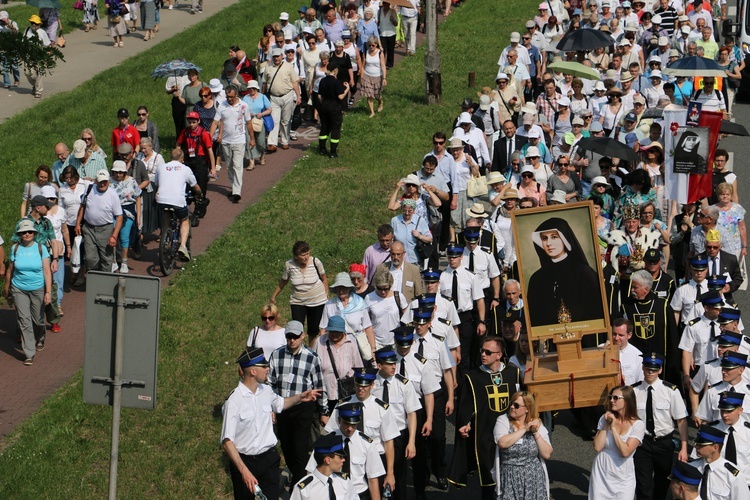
[
  {"x": 128, "y": 134},
  {"x": 194, "y": 143}
]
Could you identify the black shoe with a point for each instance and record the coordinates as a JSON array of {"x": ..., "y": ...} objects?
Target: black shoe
[
  {"x": 40, "y": 345},
  {"x": 194, "y": 221},
  {"x": 333, "y": 155},
  {"x": 236, "y": 198},
  {"x": 323, "y": 152},
  {"x": 442, "y": 483}
]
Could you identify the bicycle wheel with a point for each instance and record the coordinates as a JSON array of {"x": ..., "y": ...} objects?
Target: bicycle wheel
[{"x": 166, "y": 255}]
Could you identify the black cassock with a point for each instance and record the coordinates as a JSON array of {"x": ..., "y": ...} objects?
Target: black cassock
[
  {"x": 483, "y": 397},
  {"x": 654, "y": 330}
]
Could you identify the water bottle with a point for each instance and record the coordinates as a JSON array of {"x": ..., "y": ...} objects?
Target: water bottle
[
  {"x": 387, "y": 491},
  {"x": 259, "y": 493}
]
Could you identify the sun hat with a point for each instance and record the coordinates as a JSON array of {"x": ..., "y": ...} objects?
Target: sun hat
[
  {"x": 49, "y": 192},
  {"x": 476, "y": 211},
  {"x": 411, "y": 179},
  {"x": 102, "y": 175},
  {"x": 215, "y": 85},
  {"x": 685, "y": 29},
  {"x": 532, "y": 151},
  {"x": 276, "y": 51},
  {"x": 501, "y": 76},
  {"x": 26, "y": 225},
  {"x": 336, "y": 324},
  {"x": 464, "y": 118},
  {"x": 528, "y": 169},
  {"x": 484, "y": 102},
  {"x": 656, "y": 19},
  {"x": 119, "y": 166},
  {"x": 655, "y": 74},
  {"x": 35, "y": 19},
  {"x": 455, "y": 143},
  {"x": 79, "y": 149},
  {"x": 284, "y": 16},
  {"x": 600, "y": 180},
  {"x": 558, "y": 196},
  {"x": 510, "y": 194},
  {"x": 343, "y": 279},
  {"x": 600, "y": 86},
  {"x": 626, "y": 77},
  {"x": 495, "y": 178},
  {"x": 534, "y": 134},
  {"x": 563, "y": 101},
  {"x": 4, "y": 14},
  {"x": 596, "y": 127},
  {"x": 577, "y": 121},
  {"x": 515, "y": 37},
  {"x": 569, "y": 138}
]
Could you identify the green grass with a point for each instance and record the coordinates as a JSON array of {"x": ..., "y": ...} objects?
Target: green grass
[
  {"x": 62, "y": 450},
  {"x": 71, "y": 18}
]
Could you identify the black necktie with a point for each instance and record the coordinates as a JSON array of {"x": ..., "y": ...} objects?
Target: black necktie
[
  {"x": 331, "y": 493},
  {"x": 650, "y": 427},
  {"x": 454, "y": 291},
  {"x": 510, "y": 149},
  {"x": 713, "y": 330},
  {"x": 704, "y": 482},
  {"x": 346, "y": 469},
  {"x": 697, "y": 293},
  {"x": 386, "y": 397},
  {"x": 730, "y": 451},
  {"x": 471, "y": 261},
  {"x": 420, "y": 351},
  {"x": 402, "y": 370}
]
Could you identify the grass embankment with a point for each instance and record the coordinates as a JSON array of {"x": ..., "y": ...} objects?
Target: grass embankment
[
  {"x": 62, "y": 451},
  {"x": 71, "y": 19}
]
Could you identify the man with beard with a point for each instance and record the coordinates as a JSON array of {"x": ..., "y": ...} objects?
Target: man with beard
[{"x": 654, "y": 325}]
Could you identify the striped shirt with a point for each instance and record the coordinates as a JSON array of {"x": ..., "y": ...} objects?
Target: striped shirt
[{"x": 291, "y": 374}]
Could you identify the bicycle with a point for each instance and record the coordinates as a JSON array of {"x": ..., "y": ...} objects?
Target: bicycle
[{"x": 169, "y": 242}]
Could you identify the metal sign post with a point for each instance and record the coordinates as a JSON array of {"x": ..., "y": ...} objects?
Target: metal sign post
[{"x": 127, "y": 355}]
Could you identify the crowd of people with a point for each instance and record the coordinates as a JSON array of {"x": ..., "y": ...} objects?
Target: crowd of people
[{"x": 431, "y": 324}]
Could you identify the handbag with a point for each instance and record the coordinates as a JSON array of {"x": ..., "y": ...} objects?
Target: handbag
[
  {"x": 424, "y": 250},
  {"x": 268, "y": 122},
  {"x": 344, "y": 385},
  {"x": 477, "y": 186},
  {"x": 257, "y": 124},
  {"x": 78, "y": 5},
  {"x": 365, "y": 349},
  {"x": 733, "y": 83},
  {"x": 115, "y": 19},
  {"x": 60, "y": 42}
]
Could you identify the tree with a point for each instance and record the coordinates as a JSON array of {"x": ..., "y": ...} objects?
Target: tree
[{"x": 17, "y": 48}]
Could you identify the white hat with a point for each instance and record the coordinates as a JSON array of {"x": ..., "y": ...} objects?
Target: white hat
[
  {"x": 494, "y": 177},
  {"x": 533, "y": 134},
  {"x": 600, "y": 86},
  {"x": 577, "y": 121},
  {"x": 253, "y": 84},
  {"x": 685, "y": 29},
  {"x": 79, "y": 149},
  {"x": 599, "y": 179},
  {"x": 532, "y": 151},
  {"x": 119, "y": 166},
  {"x": 515, "y": 37},
  {"x": 484, "y": 102},
  {"x": 558, "y": 196},
  {"x": 455, "y": 143},
  {"x": 215, "y": 85},
  {"x": 49, "y": 191},
  {"x": 411, "y": 179},
  {"x": 284, "y": 16},
  {"x": 501, "y": 76},
  {"x": 563, "y": 101},
  {"x": 528, "y": 169},
  {"x": 663, "y": 41},
  {"x": 276, "y": 51},
  {"x": 102, "y": 175},
  {"x": 464, "y": 118},
  {"x": 3, "y": 14},
  {"x": 656, "y": 19},
  {"x": 654, "y": 58},
  {"x": 624, "y": 43},
  {"x": 683, "y": 18},
  {"x": 655, "y": 74}
]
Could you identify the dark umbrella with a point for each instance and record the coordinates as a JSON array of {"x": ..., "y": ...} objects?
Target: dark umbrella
[
  {"x": 576, "y": 40},
  {"x": 656, "y": 112},
  {"x": 732, "y": 128},
  {"x": 606, "y": 146},
  {"x": 694, "y": 66},
  {"x": 176, "y": 67}
]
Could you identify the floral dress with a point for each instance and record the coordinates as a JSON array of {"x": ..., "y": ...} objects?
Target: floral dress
[
  {"x": 729, "y": 227},
  {"x": 521, "y": 473}
]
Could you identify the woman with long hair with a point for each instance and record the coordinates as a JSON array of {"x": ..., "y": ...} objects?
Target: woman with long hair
[
  {"x": 523, "y": 446},
  {"x": 146, "y": 127},
  {"x": 88, "y": 136},
  {"x": 564, "y": 278},
  {"x": 269, "y": 335},
  {"x": 618, "y": 434},
  {"x": 611, "y": 112}
]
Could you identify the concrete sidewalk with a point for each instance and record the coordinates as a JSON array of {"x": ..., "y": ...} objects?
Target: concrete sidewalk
[{"x": 96, "y": 46}]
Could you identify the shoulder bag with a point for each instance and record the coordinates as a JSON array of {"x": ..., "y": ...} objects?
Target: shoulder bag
[
  {"x": 477, "y": 186},
  {"x": 365, "y": 349},
  {"x": 344, "y": 385},
  {"x": 424, "y": 250}
]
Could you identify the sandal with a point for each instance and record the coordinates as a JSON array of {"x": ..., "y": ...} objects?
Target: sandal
[
  {"x": 262, "y": 161},
  {"x": 86, "y": 30}
]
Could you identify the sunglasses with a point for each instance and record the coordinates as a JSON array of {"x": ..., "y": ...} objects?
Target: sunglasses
[
  {"x": 527, "y": 176},
  {"x": 438, "y": 143},
  {"x": 205, "y": 95},
  {"x": 383, "y": 288},
  {"x": 712, "y": 247},
  {"x": 142, "y": 114},
  {"x": 487, "y": 352},
  {"x": 26, "y": 232},
  {"x": 516, "y": 406},
  {"x": 86, "y": 138},
  {"x": 290, "y": 336},
  {"x": 565, "y": 164},
  {"x": 268, "y": 318},
  {"x": 615, "y": 398}
]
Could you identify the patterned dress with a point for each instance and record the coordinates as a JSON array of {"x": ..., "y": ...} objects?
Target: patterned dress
[
  {"x": 521, "y": 473},
  {"x": 729, "y": 227}
]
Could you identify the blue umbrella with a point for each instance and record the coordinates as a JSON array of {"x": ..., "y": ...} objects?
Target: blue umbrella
[
  {"x": 177, "y": 67},
  {"x": 694, "y": 66}
]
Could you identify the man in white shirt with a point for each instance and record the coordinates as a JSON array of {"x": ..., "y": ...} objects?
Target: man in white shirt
[
  {"x": 631, "y": 358},
  {"x": 523, "y": 53},
  {"x": 35, "y": 32},
  {"x": 99, "y": 222},
  {"x": 172, "y": 180}
]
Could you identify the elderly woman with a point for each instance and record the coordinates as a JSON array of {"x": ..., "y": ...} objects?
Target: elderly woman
[
  {"x": 129, "y": 193},
  {"x": 268, "y": 335},
  {"x": 619, "y": 433},
  {"x": 408, "y": 230},
  {"x": 72, "y": 190},
  {"x": 508, "y": 100},
  {"x": 385, "y": 308},
  {"x": 352, "y": 308},
  {"x": 409, "y": 189},
  {"x": 57, "y": 217},
  {"x": 530, "y": 188},
  {"x": 149, "y": 211},
  {"x": 366, "y": 29},
  {"x": 731, "y": 222},
  {"x": 116, "y": 11},
  {"x": 358, "y": 274},
  {"x": 260, "y": 106},
  {"x": 466, "y": 168},
  {"x": 339, "y": 356},
  {"x": 309, "y": 287},
  {"x": 564, "y": 180},
  {"x": 372, "y": 73},
  {"x": 43, "y": 176},
  {"x": 523, "y": 446},
  {"x": 145, "y": 127},
  {"x": 28, "y": 281}
]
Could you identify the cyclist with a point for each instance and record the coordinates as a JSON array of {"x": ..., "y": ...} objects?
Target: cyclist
[{"x": 172, "y": 182}]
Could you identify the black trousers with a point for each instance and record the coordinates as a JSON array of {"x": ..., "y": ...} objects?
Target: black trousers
[
  {"x": 653, "y": 465},
  {"x": 295, "y": 433},
  {"x": 430, "y": 449},
  {"x": 389, "y": 47},
  {"x": 467, "y": 334},
  {"x": 313, "y": 316},
  {"x": 265, "y": 468},
  {"x": 445, "y": 228},
  {"x": 399, "y": 464},
  {"x": 331, "y": 118},
  {"x": 199, "y": 166}
]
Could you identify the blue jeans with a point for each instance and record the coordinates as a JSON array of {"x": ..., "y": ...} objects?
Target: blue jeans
[
  {"x": 9, "y": 68},
  {"x": 59, "y": 278}
]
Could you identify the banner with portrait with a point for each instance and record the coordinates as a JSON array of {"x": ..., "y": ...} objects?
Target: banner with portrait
[
  {"x": 560, "y": 270},
  {"x": 690, "y": 152}
]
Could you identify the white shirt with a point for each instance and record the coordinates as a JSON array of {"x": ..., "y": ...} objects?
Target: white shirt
[
  {"x": 469, "y": 287},
  {"x": 171, "y": 179},
  {"x": 667, "y": 405},
  {"x": 631, "y": 364},
  {"x": 696, "y": 338},
  {"x": 247, "y": 418},
  {"x": 485, "y": 266},
  {"x": 70, "y": 200},
  {"x": 425, "y": 377},
  {"x": 384, "y": 314},
  {"x": 234, "y": 121},
  {"x": 684, "y": 302},
  {"x": 402, "y": 397},
  {"x": 722, "y": 483},
  {"x": 379, "y": 422},
  {"x": 398, "y": 277},
  {"x": 708, "y": 408},
  {"x": 102, "y": 208},
  {"x": 315, "y": 486}
]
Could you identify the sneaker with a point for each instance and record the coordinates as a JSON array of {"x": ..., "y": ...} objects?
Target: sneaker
[
  {"x": 40, "y": 345},
  {"x": 184, "y": 253},
  {"x": 124, "y": 269},
  {"x": 56, "y": 328},
  {"x": 192, "y": 11},
  {"x": 115, "y": 267},
  {"x": 293, "y": 136},
  {"x": 170, "y": 7},
  {"x": 28, "y": 361}
]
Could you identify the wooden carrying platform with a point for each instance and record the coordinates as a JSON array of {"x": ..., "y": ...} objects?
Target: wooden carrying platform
[{"x": 572, "y": 377}]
